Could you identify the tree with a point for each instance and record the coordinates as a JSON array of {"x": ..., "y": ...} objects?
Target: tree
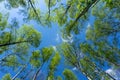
[{"x": 54, "y": 62}]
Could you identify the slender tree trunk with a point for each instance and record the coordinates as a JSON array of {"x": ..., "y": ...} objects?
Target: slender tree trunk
[
  {"x": 83, "y": 72},
  {"x": 19, "y": 73},
  {"x": 101, "y": 70},
  {"x": 35, "y": 76},
  {"x": 26, "y": 75}
]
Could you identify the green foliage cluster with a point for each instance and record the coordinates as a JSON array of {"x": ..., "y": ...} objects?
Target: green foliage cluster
[
  {"x": 34, "y": 60},
  {"x": 29, "y": 34},
  {"x": 69, "y": 75},
  {"x": 16, "y": 4},
  {"x": 46, "y": 53},
  {"x": 7, "y": 77},
  {"x": 3, "y": 21}
]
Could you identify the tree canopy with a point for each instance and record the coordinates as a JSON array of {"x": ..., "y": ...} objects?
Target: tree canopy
[{"x": 89, "y": 30}]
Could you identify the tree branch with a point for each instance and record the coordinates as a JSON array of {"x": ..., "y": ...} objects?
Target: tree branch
[
  {"x": 12, "y": 43},
  {"x": 34, "y": 10},
  {"x": 49, "y": 8},
  {"x": 83, "y": 12}
]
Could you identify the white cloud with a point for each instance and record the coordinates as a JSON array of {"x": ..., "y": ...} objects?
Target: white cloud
[
  {"x": 69, "y": 39},
  {"x": 74, "y": 69},
  {"x": 115, "y": 73},
  {"x": 57, "y": 37},
  {"x": 54, "y": 47},
  {"x": 89, "y": 78},
  {"x": 64, "y": 40},
  {"x": 109, "y": 71},
  {"x": 88, "y": 27}
]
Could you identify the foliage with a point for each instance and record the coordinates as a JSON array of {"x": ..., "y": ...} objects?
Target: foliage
[
  {"x": 6, "y": 77},
  {"x": 53, "y": 64},
  {"x": 29, "y": 34},
  {"x": 59, "y": 78},
  {"x": 46, "y": 53},
  {"x": 20, "y": 43},
  {"x": 34, "y": 60},
  {"x": 69, "y": 75}
]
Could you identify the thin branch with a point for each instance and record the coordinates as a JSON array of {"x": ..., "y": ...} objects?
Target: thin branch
[
  {"x": 67, "y": 9},
  {"x": 13, "y": 43},
  {"x": 49, "y": 8},
  {"x": 85, "y": 10},
  {"x": 34, "y": 10}
]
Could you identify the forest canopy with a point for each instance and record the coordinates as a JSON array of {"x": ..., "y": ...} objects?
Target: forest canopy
[{"x": 88, "y": 32}]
